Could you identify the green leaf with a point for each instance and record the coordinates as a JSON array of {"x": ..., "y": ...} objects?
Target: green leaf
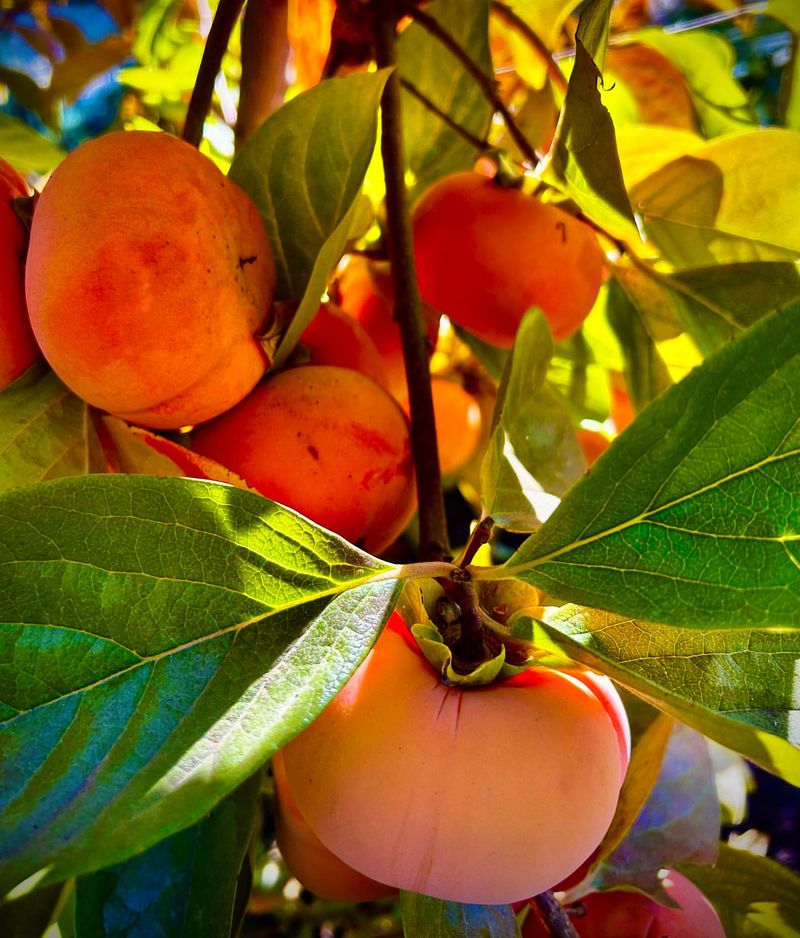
[
  {"x": 707, "y": 62},
  {"x": 182, "y": 887},
  {"x": 678, "y": 823},
  {"x": 304, "y": 168},
  {"x": 424, "y": 917},
  {"x": 692, "y": 516},
  {"x": 25, "y": 149},
  {"x": 735, "y": 686},
  {"x": 583, "y": 159},
  {"x": 432, "y": 148},
  {"x": 646, "y": 375},
  {"x": 787, "y": 12},
  {"x": 755, "y": 897},
  {"x": 533, "y": 456},
  {"x": 43, "y": 430},
  {"x": 718, "y": 205},
  {"x": 160, "y": 639}
]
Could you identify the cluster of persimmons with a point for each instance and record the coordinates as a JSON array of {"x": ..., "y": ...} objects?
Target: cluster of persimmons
[{"x": 147, "y": 284}]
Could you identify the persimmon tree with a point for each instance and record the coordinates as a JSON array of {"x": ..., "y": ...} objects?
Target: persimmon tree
[{"x": 600, "y": 648}]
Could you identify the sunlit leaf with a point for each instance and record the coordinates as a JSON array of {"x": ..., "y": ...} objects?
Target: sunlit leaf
[
  {"x": 533, "y": 456},
  {"x": 43, "y": 430},
  {"x": 754, "y": 896},
  {"x": 692, "y": 516},
  {"x": 737, "y": 686},
  {"x": 182, "y": 887},
  {"x": 160, "y": 639},
  {"x": 656, "y": 85},
  {"x": 25, "y": 149},
  {"x": 432, "y": 148},
  {"x": 718, "y": 205},
  {"x": 424, "y": 917}
]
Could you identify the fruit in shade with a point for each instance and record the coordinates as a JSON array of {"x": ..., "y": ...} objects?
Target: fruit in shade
[
  {"x": 484, "y": 795},
  {"x": 593, "y": 444},
  {"x": 148, "y": 276},
  {"x": 18, "y": 349},
  {"x": 328, "y": 442},
  {"x": 334, "y": 338},
  {"x": 622, "y": 914},
  {"x": 365, "y": 293},
  {"x": 458, "y": 423},
  {"x": 308, "y": 859},
  {"x": 486, "y": 254}
]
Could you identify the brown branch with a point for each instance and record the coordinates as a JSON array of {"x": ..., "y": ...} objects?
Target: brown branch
[
  {"x": 408, "y": 306},
  {"x": 514, "y": 20},
  {"x": 265, "y": 54},
  {"x": 485, "y": 82},
  {"x": 481, "y": 145},
  {"x": 218, "y": 38},
  {"x": 553, "y": 916}
]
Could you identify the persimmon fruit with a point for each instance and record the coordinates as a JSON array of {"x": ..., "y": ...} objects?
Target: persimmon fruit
[
  {"x": 593, "y": 444},
  {"x": 334, "y": 338},
  {"x": 326, "y": 441},
  {"x": 308, "y": 859},
  {"x": 458, "y": 423},
  {"x": 482, "y": 795},
  {"x": 622, "y": 914},
  {"x": 365, "y": 292},
  {"x": 149, "y": 275},
  {"x": 485, "y": 254},
  {"x": 18, "y": 349}
]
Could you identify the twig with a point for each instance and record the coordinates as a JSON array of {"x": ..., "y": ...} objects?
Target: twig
[
  {"x": 408, "y": 306},
  {"x": 218, "y": 38},
  {"x": 513, "y": 19},
  {"x": 553, "y": 916},
  {"x": 487, "y": 84},
  {"x": 481, "y": 145}
]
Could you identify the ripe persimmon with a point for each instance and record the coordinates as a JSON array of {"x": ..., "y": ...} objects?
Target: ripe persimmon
[
  {"x": 593, "y": 444},
  {"x": 365, "y": 292},
  {"x": 485, "y": 254},
  {"x": 326, "y": 441},
  {"x": 621, "y": 914},
  {"x": 148, "y": 276},
  {"x": 308, "y": 859},
  {"x": 481, "y": 795},
  {"x": 458, "y": 423},
  {"x": 18, "y": 349},
  {"x": 334, "y": 338}
]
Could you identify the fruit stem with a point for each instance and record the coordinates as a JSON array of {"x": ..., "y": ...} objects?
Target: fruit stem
[
  {"x": 516, "y": 22},
  {"x": 217, "y": 42},
  {"x": 408, "y": 306},
  {"x": 480, "y": 535},
  {"x": 486, "y": 83},
  {"x": 553, "y": 916}
]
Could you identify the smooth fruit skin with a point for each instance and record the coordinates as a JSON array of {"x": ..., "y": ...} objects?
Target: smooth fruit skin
[
  {"x": 482, "y": 796},
  {"x": 365, "y": 292},
  {"x": 148, "y": 275},
  {"x": 18, "y": 349},
  {"x": 334, "y": 338},
  {"x": 308, "y": 859},
  {"x": 593, "y": 444},
  {"x": 619, "y": 914},
  {"x": 326, "y": 441},
  {"x": 486, "y": 254},
  {"x": 458, "y": 423}
]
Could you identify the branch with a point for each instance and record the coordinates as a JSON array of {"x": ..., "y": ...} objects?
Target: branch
[
  {"x": 218, "y": 37},
  {"x": 265, "y": 54},
  {"x": 486, "y": 84},
  {"x": 480, "y": 145},
  {"x": 408, "y": 306},
  {"x": 553, "y": 916},
  {"x": 513, "y": 19}
]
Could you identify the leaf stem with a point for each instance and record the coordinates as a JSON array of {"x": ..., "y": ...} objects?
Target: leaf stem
[
  {"x": 481, "y": 145},
  {"x": 514, "y": 20},
  {"x": 218, "y": 38},
  {"x": 553, "y": 916},
  {"x": 484, "y": 81},
  {"x": 408, "y": 305}
]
